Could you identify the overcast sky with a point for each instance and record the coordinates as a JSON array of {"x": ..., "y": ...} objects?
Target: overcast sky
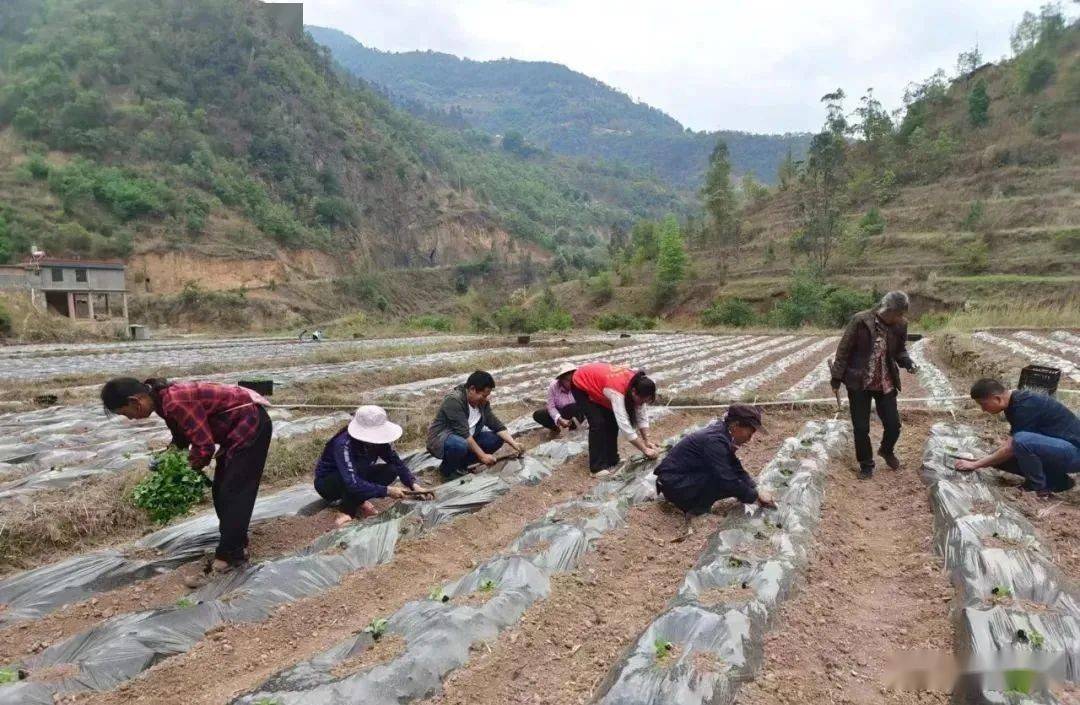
[{"x": 759, "y": 66}]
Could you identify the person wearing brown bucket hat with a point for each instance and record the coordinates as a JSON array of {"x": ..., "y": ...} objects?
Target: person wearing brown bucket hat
[
  {"x": 703, "y": 467},
  {"x": 360, "y": 464}
]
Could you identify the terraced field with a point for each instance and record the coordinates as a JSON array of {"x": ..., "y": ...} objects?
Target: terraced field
[{"x": 535, "y": 582}]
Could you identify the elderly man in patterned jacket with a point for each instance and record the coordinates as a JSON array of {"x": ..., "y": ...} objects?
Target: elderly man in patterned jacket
[{"x": 868, "y": 361}]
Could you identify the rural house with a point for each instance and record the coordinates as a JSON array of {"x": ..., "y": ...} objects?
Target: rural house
[{"x": 90, "y": 290}]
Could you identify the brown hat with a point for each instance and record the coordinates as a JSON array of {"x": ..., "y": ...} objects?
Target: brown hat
[{"x": 745, "y": 414}]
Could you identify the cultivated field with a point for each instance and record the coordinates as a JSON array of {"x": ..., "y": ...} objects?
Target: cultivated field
[{"x": 534, "y": 582}]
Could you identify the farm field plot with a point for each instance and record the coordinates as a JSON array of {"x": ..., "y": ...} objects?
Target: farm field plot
[{"x": 532, "y": 578}]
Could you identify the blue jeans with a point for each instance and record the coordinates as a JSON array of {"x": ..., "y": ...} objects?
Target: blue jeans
[
  {"x": 1045, "y": 461},
  {"x": 457, "y": 456}
]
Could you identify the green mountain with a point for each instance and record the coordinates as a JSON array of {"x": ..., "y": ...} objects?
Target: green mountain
[
  {"x": 556, "y": 108},
  {"x": 129, "y": 126}
]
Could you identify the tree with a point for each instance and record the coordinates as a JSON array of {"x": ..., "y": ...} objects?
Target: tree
[
  {"x": 719, "y": 195},
  {"x": 968, "y": 61},
  {"x": 753, "y": 192},
  {"x": 671, "y": 261},
  {"x": 787, "y": 172},
  {"x": 826, "y": 177},
  {"x": 979, "y": 104}
]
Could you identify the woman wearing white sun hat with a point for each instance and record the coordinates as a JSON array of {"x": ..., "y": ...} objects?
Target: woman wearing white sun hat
[{"x": 349, "y": 469}]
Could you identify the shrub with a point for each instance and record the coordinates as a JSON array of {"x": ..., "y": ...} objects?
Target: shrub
[
  {"x": 624, "y": 321},
  {"x": 1068, "y": 240},
  {"x": 6, "y": 326},
  {"x": 38, "y": 167},
  {"x": 1034, "y": 71},
  {"x": 171, "y": 490},
  {"x": 432, "y": 321},
  {"x": 601, "y": 288},
  {"x": 803, "y": 304},
  {"x": 975, "y": 257},
  {"x": 335, "y": 211},
  {"x": 841, "y": 304},
  {"x": 979, "y": 104},
  {"x": 367, "y": 289},
  {"x": 974, "y": 216},
  {"x": 932, "y": 321},
  {"x": 514, "y": 319},
  {"x": 728, "y": 312}
]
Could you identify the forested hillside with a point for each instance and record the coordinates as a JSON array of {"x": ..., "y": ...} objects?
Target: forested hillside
[
  {"x": 194, "y": 125},
  {"x": 556, "y": 108},
  {"x": 968, "y": 197}
]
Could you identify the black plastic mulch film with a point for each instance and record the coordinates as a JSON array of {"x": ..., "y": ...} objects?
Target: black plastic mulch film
[
  {"x": 120, "y": 648},
  {"x": 1018, "y": 618},
  {"x": 761, "y": 552}
]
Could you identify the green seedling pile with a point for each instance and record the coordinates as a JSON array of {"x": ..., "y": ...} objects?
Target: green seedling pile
[
  {"x": 8, "y": 675},
  {"x": 1032, "y": 636},
  {"x": 171, "y": 490}
]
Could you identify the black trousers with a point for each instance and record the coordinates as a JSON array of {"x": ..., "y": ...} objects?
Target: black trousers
[
  {"x": 603, "y": 433},
  {"x": 236, "y": 484},
  {"x": 571, "y": 412},
  {"x": 332, "y": 488},
  {"x": 860, "y": 422}
]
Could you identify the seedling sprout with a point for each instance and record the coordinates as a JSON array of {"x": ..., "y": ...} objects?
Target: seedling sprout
[
  {"x": 662, "y": 649},
  {"x": 184, "y": 602},
  {"x": 1001, "y": 591},
  {"x": 437, "y": 595},
  {"x": 377, "y": 628},
  {"x": 488, "y": 585}
]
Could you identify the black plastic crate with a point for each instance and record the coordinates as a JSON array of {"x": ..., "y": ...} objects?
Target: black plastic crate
[
  {"x": 1040, "y": 379},
  {"x": 259, "y": 386}
]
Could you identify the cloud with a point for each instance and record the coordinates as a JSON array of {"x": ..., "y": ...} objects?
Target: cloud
[{"x": 720, "y": 64}]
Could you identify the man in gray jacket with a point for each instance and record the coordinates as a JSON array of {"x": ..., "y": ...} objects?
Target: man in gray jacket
[{"x": 465, "y": 430}]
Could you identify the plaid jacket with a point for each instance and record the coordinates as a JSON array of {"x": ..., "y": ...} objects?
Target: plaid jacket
[{"x": 204, "y": 414}]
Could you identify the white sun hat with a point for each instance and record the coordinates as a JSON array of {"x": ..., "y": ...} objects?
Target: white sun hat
[
  {"x": 566, "y": 369},
  {"x": 371, "y": 425}
]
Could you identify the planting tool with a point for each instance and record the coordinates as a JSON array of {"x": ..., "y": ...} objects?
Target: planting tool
[{"x": 414, "y": 494}]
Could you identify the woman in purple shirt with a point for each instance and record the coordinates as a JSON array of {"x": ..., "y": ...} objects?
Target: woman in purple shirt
[{"x": 561, "y": 410}]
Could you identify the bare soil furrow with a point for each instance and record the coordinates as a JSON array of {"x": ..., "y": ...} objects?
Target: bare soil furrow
[{"x": 873, "y": 591}]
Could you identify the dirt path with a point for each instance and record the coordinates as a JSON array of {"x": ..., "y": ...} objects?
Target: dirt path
[
  {"x": 566, "y": 644},
  {"x": 873, "y": 589},
  {"x": 240, "y": 656}
]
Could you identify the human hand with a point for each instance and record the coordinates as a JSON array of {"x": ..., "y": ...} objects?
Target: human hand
[
  {"x": 487, "y": 459},
  {"x": 563, "y": 423},
  {"x": 913, "y": 369},
  {"x": 964, "y": 465},
  {"x": 766, "y": 499},
  {"x": 835, "y": 384},
  {"x": 650, "y": 453},
  {"x": 395, "y": 492}
]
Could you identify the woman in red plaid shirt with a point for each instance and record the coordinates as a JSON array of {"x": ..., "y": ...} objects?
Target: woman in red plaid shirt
[{"x": 202, "y": 415}]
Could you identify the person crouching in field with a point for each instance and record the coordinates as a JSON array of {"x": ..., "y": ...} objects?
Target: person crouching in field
[
  {"x": 613, "y": 400},
  {"x": 562, "y": 410},
  {"x": 1044, "y": 442},
  {"x": 200, "y": 416},
  {"x": 703, "y": 467},
  {"x": 868, "y": 361},
  {"x": 359, "y": 464},
  {"x": 465, "y": 430}
]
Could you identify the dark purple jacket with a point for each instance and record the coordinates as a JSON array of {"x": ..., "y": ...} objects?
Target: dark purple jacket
[{"x": 353, "y": 459}]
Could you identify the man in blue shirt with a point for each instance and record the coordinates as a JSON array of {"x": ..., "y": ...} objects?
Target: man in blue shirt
[
  {"x": 1044, "y": 445},
  {"x": 702, "y": 468}
]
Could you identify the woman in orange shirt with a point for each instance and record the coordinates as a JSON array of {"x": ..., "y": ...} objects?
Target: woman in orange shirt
[{"x": 613, "y": 399}]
